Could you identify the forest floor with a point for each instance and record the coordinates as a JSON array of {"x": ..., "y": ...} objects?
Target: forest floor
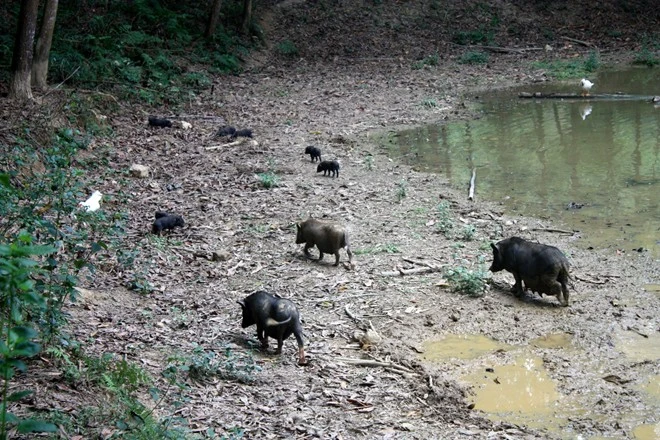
[{"x": 603, "y": 374}]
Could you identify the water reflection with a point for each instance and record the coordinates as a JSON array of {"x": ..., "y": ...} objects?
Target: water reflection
[{"x": 541, "y": 155}]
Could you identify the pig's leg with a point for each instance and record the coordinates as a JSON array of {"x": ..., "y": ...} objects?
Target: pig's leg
[
  {"x": 308, "y": 246},
  {"x": 350, "y": 254},
  {"x": 564, "y": 289},
  {"x": 301, "y": 350},
  {"x": 554, "y": 288},
  {"x": 517, "y": 288},
  {"x": 263, "y": 337},
  {"x": 337, "y": 258},
  {"x": 320, "y": 255},
  {"x": 279, "y": 345}
]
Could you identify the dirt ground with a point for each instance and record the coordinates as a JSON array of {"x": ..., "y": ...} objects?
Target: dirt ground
[{"x": 349, "y": 389}]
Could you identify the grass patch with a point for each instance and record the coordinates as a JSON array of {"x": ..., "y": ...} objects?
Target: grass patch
[
  {"x": 431, "y": 60},
  {"x": 429, "y": 103},
  {"x": 401, "y": 191},
  {"x": 387, "y": 248},
  {"x": 268, "y": 179},
  {"x": 570, "y": 69},
  {"x": 287, "y": 48}
]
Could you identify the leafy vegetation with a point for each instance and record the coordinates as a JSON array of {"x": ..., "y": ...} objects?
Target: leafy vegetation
[
  {"x": 268, "y": 179},
  {"x": 469, "y": 282},
  {"x": 287, "y": 48},
  {"x": 473, "y": 57},
  {"x": 431, "y": 60},
  {"x": 136, "y": 48},
  {"x": 647, "y": 55}
]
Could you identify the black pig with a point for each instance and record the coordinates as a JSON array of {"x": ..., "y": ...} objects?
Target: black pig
[
  {"x": 329, "y": 167},
  {"x": 160, "y": 214},
  {"x": 314, "y": 152},
  {"x": 543, "y": 269},
  {"x": 166, "y": 222},
  {"x": 328, "y": 238},
  {"x": 245, "y": 132},
  {"x": 158, "y": 122},
  {"x": 275, "y": 317},
  {"x": 226, "y": 131}
]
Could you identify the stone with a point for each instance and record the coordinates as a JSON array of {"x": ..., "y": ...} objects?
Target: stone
[{"x": 139, "y": 170}]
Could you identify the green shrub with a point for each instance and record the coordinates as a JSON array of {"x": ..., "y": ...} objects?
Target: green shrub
[
  {"x": 474, "y": 57},
  {"x": 287, "y": 48},
  {"x": 592, "y": 62},
  {"x": 469, "y": 282},
  {"x": 268, "y": 179},
  {"x": 478, "y": 36}
]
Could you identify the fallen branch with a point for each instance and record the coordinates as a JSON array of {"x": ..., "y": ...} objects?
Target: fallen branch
[
  {"x": 350, "y": 315},
  {"x": 499, "y": 49},
  {"x": 559, "y": 231},
  {"x": 230, "y": 144},
  {"x": 370, "y": 363},
  {"x": 584, "y": 43},
  {"x": 414, "y": 271},
  {"x": 419, "y": 262},
  {"x": 586, "y": 280},
  {"x": 474, "y": 177}
]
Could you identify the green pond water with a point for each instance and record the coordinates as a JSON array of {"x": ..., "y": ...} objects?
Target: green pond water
[{"x": 539, "y": 156}]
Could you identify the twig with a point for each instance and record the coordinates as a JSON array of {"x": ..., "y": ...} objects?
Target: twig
[
  {"x": 584, "y": 43},
  {"x": 230, "y": 144},
  {"x": 350, "y": 315},
  {"x": 586, "y": 280},
  {"x": 414, "y": 271},
  {"x": 63, "y": 81},
  {"x": 421, "y": 263},
  {"x": 471, "y": 192},
  {"x": 560, "y": 231}
]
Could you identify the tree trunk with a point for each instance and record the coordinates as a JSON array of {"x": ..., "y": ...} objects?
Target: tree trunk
[
  {"x": 21, "y": 61},
  {"x": 42, "y": 52},
  {"x": 247, "y": 16},
  {"x": 213, "y": 18}
]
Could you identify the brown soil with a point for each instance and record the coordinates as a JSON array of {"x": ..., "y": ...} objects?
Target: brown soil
[{"x": 342, "y": 101}]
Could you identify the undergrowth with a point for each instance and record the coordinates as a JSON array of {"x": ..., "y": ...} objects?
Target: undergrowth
[
  {"x": 572, "y": 68},
  {"x": 149, "y": 51}
]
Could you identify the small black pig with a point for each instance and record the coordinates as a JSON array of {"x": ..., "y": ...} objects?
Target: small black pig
[
  {"x": 245, "y": 132},
  {"x": 328, "y": 238},
  {"x": 168, "y": 221},
  {"x": 314, "y": 152},
  {"x": 543, "y": 269},
  {"x": 275, "y": 317},
  {"x": 226, "y": 131},
  {"x": 158, "y": 122},
  {"x": 328, "y": 167},
  {"x": 160, "y": 214}
]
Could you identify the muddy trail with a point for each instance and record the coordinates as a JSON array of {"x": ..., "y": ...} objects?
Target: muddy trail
[{"x": 377, "y": 335}]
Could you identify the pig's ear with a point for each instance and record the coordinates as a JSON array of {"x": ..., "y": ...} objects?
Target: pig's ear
[
  {"x": 298, "y": 226},
  {"x": 495, "y": 249},
  {"x": 242, "y": 304}
]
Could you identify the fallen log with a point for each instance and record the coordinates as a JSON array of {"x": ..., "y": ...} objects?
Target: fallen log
[
  {"x": 471, "y": 192},
  {"x": 599, "y": 96}
]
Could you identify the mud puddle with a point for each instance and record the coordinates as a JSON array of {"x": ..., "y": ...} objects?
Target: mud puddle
[{"x": 510, "y": 383}]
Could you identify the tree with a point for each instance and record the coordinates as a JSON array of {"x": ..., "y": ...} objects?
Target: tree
[
  {"x": 247, "y": 16},
  {"x": 21, "y": 61},
  {"x": 213, "y": 18},
  {"x": 40, "y": 63}
]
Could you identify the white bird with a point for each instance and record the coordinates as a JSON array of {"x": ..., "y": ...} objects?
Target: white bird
[
  {"x": 93, "y": 203},
  {"x": 586, "y": 86}
]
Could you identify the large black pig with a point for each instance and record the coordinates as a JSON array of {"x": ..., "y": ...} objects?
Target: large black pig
[
  {"x": 543, "y": 269},
  {"x": 275, "y": 317}
]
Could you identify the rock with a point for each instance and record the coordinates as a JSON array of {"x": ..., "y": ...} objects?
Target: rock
[
  {"x": 139, "y": 170},
  {"x": 370, "y": 338},
  {"x": 220, "y": 256}
]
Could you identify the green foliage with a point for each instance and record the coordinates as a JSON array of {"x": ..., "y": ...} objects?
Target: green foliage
[
  {"x": 137, "y": 47},
  {"x": 648, "y": 54},
  {"x": 429, "y": 103},
  {"x": 570, "y": 69},
  {"x": 268, "y": 179},
  {"x": 469, "y": 282},
  {"x": 18, "y": 267},
  {"x": 401, "y": 190},
  {"x": 444, "y": 222},
  {"x": 202, "y": 365},
  {"x": 287, "y": 48},
  {"x": 478, "y": 36},
  {"x": 387, "y": 248},
  {"x": 369, "y": 162},
  {"x": 431, "y": 60},
  {"x": 473, "y": 57},
  {"x": 467, "y": 233},
  {"x": 592, "y": 62}
]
